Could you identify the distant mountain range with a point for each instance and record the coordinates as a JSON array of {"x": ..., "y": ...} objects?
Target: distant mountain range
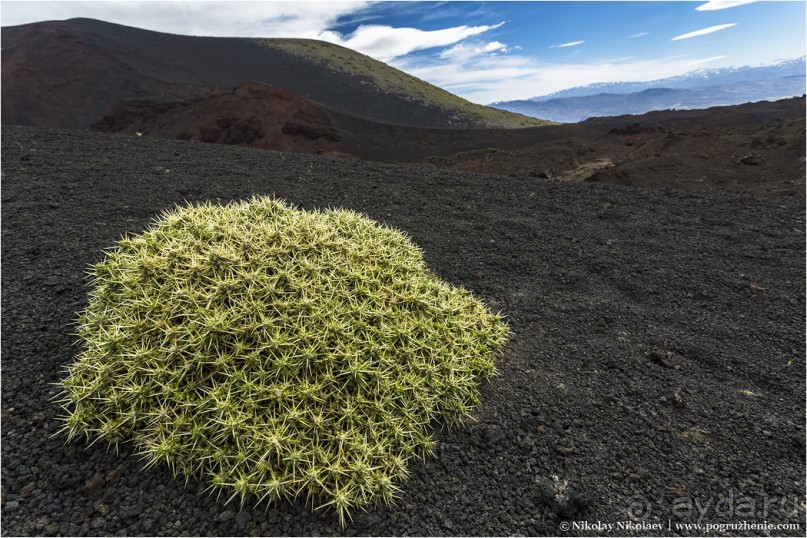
[{"x": 699, "y": 89}]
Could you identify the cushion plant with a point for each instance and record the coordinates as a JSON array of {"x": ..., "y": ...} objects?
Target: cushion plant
[{"x": 279, "y": 352}]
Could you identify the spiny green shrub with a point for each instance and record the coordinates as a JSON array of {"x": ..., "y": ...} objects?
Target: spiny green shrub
[{"x": 277, "y": 351}]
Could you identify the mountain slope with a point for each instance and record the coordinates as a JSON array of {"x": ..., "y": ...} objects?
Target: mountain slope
[
  {"x": 71, "y": 73},
  {"x": 699, "y": 89}
]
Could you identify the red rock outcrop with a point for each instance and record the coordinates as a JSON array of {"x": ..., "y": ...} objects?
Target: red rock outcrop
[{"x": 253, "y": 114}]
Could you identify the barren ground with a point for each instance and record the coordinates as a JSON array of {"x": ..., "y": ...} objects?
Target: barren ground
[{"x": 655, "y": 373}]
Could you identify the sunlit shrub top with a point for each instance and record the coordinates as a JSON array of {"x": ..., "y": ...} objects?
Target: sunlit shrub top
[{"x": 279, "y": 352}]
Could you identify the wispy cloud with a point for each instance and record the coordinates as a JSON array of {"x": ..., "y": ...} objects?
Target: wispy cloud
[
  {"x": 707, "y": 60},
  {"x": 704, "y": 31},
  {"x": 386, "y": 43},
  {"x": 463, "y": 52},
  {"x": 314, "y": 20},
  {"x": 504, "y": 77},
  {"x": 564, "y": 45},
  {"x": 714, "y": 5},
  {"x": 242, "y": 19},
  {"x": 640, "y": 34}
]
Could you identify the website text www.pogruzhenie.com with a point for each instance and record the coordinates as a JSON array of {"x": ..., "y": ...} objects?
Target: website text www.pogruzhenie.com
[
  {"x": 729, "y": 513},
  {"x": 675, "y": 526}
]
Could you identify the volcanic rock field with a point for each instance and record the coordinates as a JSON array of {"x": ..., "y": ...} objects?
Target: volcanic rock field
[{"x": 655, "y": 374}]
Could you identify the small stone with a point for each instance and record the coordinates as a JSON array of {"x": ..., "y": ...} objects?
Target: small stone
[
  {"x": 93, "y": 487},
  {"x": 661, "y": 357},
  {"x": 752, "y": 159},
  {"x": 134, "y": 510},
  {"x": 42, "y": 522},
  {"x": 27, "y": 489},
  {"x": 565, "y": 450},
  {"x": 98, "y": 522},
  {"x": 227, "y": 515},
  {"x": 756, "y": 288},
  {"x": 241, "y": 519},
  {"x": 11, "y": 506},
  {"x": 674, "y": 398},
  {"x": 67, "y": 478}
]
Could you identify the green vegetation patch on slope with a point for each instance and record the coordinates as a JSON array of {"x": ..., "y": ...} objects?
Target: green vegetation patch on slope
[
  {"x": 278, "y": 352},
  {"x": 390, "y": 80}
]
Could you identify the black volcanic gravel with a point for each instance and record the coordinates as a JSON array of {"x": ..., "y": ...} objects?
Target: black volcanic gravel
[{"x": 656, "y": 372}]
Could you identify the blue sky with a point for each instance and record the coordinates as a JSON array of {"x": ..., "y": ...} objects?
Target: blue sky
[{"x": 487, "y": 51}]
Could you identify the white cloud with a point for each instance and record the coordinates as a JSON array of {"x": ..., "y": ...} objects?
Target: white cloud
[
  {"x": 707, "y": 60},
  {"x": 312, "y": 20},
  {"x": 487, "y": 79},
  {"x": 222, "y": 19},
  {"x": 463, "y": 52},
  {"x": 640, "y": 34},
  {"x": 704, "y": 31},
  {"x": 714, "y": 5},
  {"x": 494, "y": 46},
  {"x": 386, "y": 43},
  {"x": 564, "y": 45}
]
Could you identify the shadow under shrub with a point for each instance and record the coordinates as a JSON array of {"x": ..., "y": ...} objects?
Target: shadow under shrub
[{"x": 276, "y": 351}]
